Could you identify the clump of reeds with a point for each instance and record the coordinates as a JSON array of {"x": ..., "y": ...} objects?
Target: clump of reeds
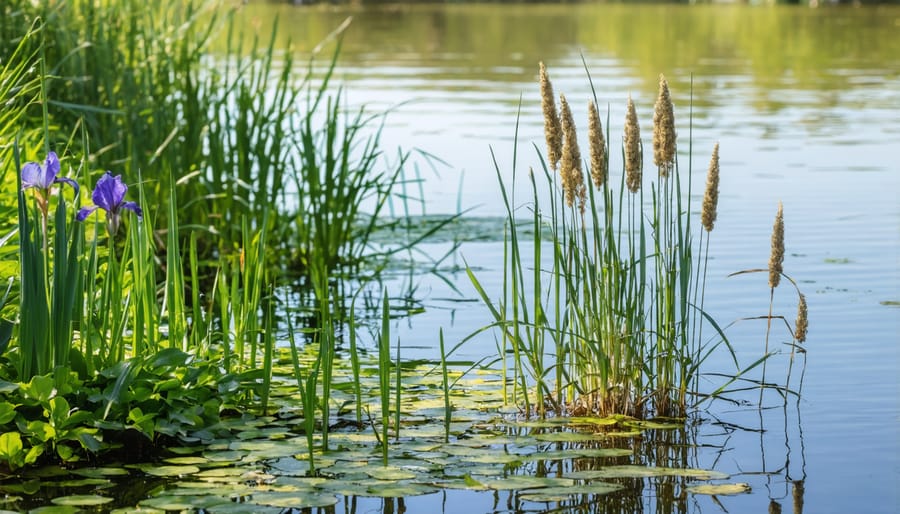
[
  {"x": 553, "y": 131},
  {"x": 664, "y": 130},
  {"x": 620, "y": 294}
]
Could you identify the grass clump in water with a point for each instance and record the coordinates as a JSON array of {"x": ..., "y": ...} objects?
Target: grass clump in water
[{"x": 602, "y": 309}]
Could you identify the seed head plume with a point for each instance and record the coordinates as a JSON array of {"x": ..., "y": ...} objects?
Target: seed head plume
[
  {"x": 777, "y": 257},
  {"x": 664, "y": 130},
  {"x": 597, "y": 146},
  {"x": 801, "y": 325},
  {"x": 633, "y": 154},
  {"x": 570, "y": 165},
  {"x": 552, "y": 127},
  {"x": 711, "y": 196}
]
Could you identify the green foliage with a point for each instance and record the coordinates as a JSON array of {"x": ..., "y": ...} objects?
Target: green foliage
[
  {"x": 612, "y": 331},
  {"x": 164, "y": 396}
]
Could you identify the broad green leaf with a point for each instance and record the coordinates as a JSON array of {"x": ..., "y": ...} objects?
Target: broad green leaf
[
  {"x": 170, "y": 471},
  {"x": 526, "y": 482},
  {"x": 40, "y": 430},
  {"x": 296, "y": 500},
  {"x": 40, "y": 388},
  {"x": 556, "y": 494},
  {"x": 82, "y": 500},
  {"x": 7, "y": 412}
]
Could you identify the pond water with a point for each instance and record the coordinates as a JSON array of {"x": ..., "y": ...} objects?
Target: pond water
[{"x": 804, "y": 103}]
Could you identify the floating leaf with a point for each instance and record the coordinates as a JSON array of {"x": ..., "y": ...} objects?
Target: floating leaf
[
  {"x": 54, "y": 509},
  {"x": 186, "y": 460},
  {"x": 400, "y": 490},
  {"x": 100, "y": 472},
  {"x": 389, "y": 473},
  {"x": 82, "y": 500},
  {"x": 526, "y": 482},
  {"x": 569, "y": 437},
  {"x": 295, "y": 500},
  {"x": 556, "y": 494},
  {"x": 653, "y": 425},
  {"x": 575, "y": 453},
  {"x": 170, "y": 471},
  {"x": 633, "y": 471},
  {"x": 719, "y": 489}
]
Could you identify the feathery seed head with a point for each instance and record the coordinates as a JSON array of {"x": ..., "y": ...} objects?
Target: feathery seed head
[
  {"x": 801, "y": 325},
  {"x": 597, "y": 146},
  {"x": 552, "y": 128},
  {"x": 777, "y": 256},
  {"x": 570, "y": 164},
  {"x": 711, "y": 196},
  {"x": 664, "y": 130},
  {"x": 633, "y": 150}
]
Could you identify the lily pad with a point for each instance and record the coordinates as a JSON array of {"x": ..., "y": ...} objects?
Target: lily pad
[
  {"x": 719, "y": 489},
  {"x": 569, "y": 437},
  {"x": 556, "y": 494},
  {"x": 100, "y": 472},
  {"x": 400, "y": 490},
  {"x": 170, "y": 471},
  {"x": 389, "y": 473},
  {"x": 81, "y": 500},
  {"x": 575, "y": 453},
  {"x": 295, "y": 500},
  {"x": 634, "y": 471},
  {"x": 187, "y": 460},
  {"x": 526, "y": 482}
]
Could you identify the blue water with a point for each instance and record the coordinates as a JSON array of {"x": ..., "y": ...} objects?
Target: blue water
[{"x": 826, "y": 146}]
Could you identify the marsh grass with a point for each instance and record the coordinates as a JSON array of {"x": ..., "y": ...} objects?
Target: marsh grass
[{"x": 600, "y": 307}]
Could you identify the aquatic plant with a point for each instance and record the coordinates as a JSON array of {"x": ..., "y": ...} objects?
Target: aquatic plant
[{"x": 623, "y": 305}]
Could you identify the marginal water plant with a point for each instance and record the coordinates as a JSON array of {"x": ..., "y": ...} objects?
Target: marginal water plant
[{"x": 601, "y": 310}]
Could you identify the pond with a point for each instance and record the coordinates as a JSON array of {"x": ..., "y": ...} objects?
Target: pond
[{"x": 803, "y": 103}]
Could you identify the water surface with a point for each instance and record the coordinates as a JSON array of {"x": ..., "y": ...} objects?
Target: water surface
[{"x": 804, "y": 103}]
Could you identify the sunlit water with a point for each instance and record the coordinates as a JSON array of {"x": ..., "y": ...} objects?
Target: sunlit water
[{"x": 804, "y": 104}]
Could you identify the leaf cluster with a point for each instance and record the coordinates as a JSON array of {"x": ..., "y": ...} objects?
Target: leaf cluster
[{"x": 134, "y": 409}]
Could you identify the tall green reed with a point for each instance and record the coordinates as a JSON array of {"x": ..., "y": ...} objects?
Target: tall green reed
[{"x": 619, "y": 306}]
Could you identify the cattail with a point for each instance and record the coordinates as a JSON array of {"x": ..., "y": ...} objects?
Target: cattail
[
  {"x": 711, "y": 196},
  {"x": 663, "y": 130},
  {"x": 774, "y": 507},
  {"x": 633, "y": 157},
  {"x": 570, "y": 165},
  {"x": 801, "y": 325},
  {"x": 597, "y": 146},
  {"x": 552, "y": 128},
  {"x": 777, "y": 257}
]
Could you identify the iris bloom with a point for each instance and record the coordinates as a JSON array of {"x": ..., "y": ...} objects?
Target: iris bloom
[
  {"x": 109, "y": 195},
  {"x": 42, "y": 177}
]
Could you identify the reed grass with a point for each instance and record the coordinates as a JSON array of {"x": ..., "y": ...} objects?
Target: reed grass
[{"x": 620, "y": 306}]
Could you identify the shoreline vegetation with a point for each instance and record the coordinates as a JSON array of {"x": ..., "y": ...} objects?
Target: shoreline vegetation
[{"x": 152, "y": 190}]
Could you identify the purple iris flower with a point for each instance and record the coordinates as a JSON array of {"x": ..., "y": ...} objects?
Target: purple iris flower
[
  {"x": 109, "y": 195},
  {"x": 42, "y": 177}
]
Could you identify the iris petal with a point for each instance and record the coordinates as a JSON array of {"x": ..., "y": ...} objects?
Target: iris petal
[
  {"x": 31, "y": 174},
  {"x": 135, "y": 208},
  {"x": 85, "y": 212}
]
